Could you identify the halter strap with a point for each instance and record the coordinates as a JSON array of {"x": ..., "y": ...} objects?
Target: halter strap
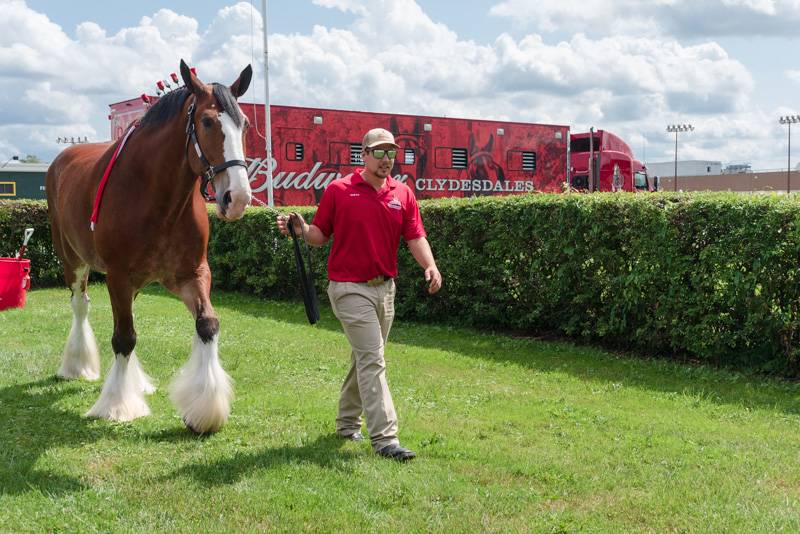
[{"x": 209, "y": 170}]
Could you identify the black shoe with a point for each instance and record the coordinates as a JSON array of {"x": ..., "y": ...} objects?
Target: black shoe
[
  {"x": 396, "y": 452},
  {"x": 355, "y": 436}
]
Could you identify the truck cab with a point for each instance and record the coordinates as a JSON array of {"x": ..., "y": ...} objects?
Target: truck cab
[{"x": 601, "y": 161}]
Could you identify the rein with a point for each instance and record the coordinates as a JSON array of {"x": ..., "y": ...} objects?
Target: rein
[
  {"x": 209, "y": 170},
  {"x": 306, "y": 277},
  {"x": 100, "y": 188}
]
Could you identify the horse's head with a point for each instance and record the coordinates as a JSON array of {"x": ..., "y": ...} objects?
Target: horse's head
[
  {"x": 481, "y": 161},
  {"x": 216, "y": 128}
]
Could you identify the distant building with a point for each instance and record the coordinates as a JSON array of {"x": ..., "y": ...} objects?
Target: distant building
[
  {"x": 22, "y": 180},
  {"x": 737, "y": 168},
  {"x": 685, "y": 168}
]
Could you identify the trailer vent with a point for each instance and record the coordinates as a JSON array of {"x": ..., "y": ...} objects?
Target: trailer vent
[
  {"x": 427, "y": 127},
  {"x": 355, "y": 154},
  {"x": 459, "y": 160},
  {"x": 317, "y": 119},
  {"x": 501, "y": 131},
  {"x": 295, "y": 151},
  {"x": 529, "y": 161},
  {"x": 409, "y": 156}
]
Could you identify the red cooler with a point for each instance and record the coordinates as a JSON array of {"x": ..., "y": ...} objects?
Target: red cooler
[{"x": 15, "y": 281}]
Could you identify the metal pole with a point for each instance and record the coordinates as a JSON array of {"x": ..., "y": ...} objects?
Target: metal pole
[
  {"x": 591, "y": 159},
  {"x": 569, "y": 160},
  {"x": 675, "y": 178},
  {"x": 789, "y": 162},
  {"x": 267, "y": 113},
  {"x": 678, "y": 128}
]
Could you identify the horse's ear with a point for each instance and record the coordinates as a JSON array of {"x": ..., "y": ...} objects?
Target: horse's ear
[
  {"x": 192, "y": 83},
  {"x": 472, "y": 145},
  {"x": 239, "y": 87},
  {"x": 490, "y": 144}
]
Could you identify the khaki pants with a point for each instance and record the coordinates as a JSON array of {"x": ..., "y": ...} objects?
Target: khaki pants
[{"x": 366, "y": 314}]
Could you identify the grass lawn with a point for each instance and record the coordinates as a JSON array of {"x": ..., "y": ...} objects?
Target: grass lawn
[{"x": 513, "y": 435}]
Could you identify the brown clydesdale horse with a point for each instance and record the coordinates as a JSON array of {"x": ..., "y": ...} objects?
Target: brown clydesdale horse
[{"x": 152, "y": 226}]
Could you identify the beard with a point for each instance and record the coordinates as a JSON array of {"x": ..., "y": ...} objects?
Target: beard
[{"x": 383, "y": 171}]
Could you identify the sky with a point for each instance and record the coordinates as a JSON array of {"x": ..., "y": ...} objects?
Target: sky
[{"x": 730, "y": 68}]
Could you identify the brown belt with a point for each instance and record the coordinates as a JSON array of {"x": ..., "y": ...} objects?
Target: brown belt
[{"x": 378, "y": 280}]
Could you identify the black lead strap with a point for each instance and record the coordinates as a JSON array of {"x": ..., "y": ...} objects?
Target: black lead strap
[{"x": 306, "y": 276}]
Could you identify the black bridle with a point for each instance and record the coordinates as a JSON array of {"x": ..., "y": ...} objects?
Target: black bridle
[{"x": 209, "y": 170}]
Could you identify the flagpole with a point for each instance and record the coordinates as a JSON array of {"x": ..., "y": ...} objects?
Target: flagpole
[{"x": 267, "y": 121}]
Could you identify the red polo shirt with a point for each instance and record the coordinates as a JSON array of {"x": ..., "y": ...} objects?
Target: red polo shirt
[{"x": 366, "y": 226}]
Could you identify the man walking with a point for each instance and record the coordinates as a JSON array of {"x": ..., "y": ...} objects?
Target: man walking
[{"x": 367, "y": 213}]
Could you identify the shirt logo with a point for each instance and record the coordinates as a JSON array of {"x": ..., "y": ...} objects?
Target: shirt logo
[
  {"x": 355, "y": 194},
  {"x": 395, "y": 204}
]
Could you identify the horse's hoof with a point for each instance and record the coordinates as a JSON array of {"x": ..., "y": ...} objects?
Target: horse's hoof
[{"x": 195, "y": 431}]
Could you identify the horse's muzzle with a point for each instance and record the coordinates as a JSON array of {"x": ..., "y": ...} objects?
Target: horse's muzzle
[{"x": 232, "y": 206}]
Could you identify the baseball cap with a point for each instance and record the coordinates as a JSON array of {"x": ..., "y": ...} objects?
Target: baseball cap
[{"x": 378, "y": 136}]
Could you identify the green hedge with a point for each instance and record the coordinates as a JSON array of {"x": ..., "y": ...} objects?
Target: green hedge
[
  {"x": 712, "y": 277},
  {"x": 17, "y": 215},
  {"x": 709, "y": 276}
]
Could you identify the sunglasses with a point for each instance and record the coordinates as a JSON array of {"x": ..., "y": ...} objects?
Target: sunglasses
[{"x": 378, "y": 153}]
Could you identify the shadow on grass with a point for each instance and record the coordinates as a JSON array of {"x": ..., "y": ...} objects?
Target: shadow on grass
[
  {"x": 324, "y": 451},
  {"x": 175, "y": 435},
  {"x": 587, "y": 363},
  {"x": 32, "y": 425}
]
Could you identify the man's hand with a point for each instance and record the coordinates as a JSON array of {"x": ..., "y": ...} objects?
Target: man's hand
[
  {"x": 297, "y": 219},
  {"x": 434, "y": 279}
]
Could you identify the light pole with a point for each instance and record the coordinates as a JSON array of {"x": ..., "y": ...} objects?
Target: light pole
[
  {"x": 72, "y": 140},
  {"x": 678, "y": 128},
  {"x": 267, "y": 112},
  {"x": 788, "y": 120}
]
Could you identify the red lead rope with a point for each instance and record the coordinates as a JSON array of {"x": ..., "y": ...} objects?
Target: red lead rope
[{"x": 99, "y": 197}]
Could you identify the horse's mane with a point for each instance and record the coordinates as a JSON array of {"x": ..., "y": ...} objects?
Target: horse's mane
[
  {"x": 172, "y": 103},
  {"x": 167, "y": 107}
]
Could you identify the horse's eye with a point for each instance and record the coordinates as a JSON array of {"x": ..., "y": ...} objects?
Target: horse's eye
[{"x": 207, "y": 123}]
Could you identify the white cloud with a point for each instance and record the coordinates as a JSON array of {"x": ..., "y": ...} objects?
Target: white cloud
[
  {"x": 395, "y": 58},
  {"x": 694, "y": 18},
  {"x": 352, "y": 6},
  {"x": 793, "y": 75},
  {"x": 55, "y": 86}
]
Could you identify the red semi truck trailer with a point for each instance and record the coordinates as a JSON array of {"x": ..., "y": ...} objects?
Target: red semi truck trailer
[{"x": 438, "y": 156}]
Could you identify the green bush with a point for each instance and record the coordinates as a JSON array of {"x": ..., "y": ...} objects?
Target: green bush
[
  {"x": 251, "y": 255},
  {"x": 711, "y": 276},
  {"x": 15, "y": 217}
]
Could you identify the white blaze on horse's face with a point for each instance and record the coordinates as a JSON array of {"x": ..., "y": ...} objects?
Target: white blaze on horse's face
[{"x": 232, "y": 186}]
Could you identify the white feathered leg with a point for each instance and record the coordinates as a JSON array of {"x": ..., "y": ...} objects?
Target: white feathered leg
[
  {"x": 80, "y": 358},
  {"x": 122, "y": 398},
  {"x": 142, "y": 379},
  {"x": 202, "y": 390}
]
